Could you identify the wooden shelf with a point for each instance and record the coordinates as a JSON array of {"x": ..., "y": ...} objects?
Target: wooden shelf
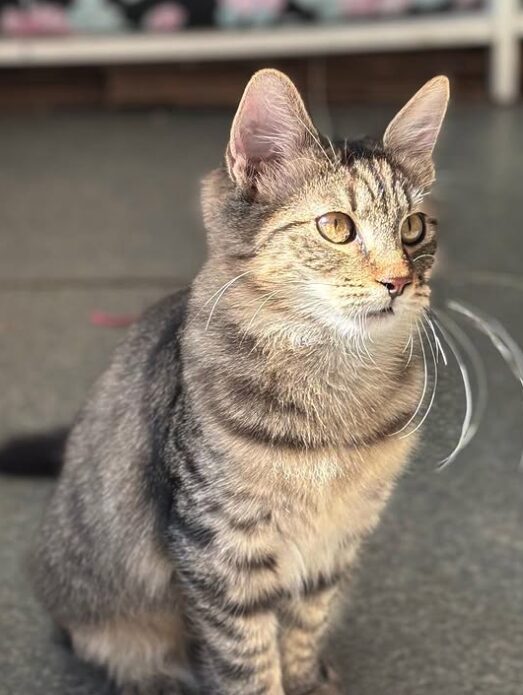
[
  {"x": 498, "y": 28},
  {"x": 191, "y": 45}
]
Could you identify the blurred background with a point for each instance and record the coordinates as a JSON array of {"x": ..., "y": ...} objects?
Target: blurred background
[{"x": 111, "y": 111}]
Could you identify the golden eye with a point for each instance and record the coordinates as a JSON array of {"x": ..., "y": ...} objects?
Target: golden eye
[
  {"x": 336, "y": 227},
  {"x": 413, "y": 229}
]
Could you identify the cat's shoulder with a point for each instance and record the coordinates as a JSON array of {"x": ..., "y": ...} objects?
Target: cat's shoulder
[
  {"x": 168, "y": 312},
  {"x": 156, "y": 332}
]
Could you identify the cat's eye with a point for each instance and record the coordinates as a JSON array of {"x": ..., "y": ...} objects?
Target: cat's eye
[
  {"x": 336, "y": 227},
  {"x": 413, "y": 229}
]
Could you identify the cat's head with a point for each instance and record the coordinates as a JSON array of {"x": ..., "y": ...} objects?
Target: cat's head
[{"x": 337, "y": 232}]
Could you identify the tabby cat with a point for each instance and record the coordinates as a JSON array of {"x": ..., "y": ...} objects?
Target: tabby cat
[{"x": 220, "y": 478}]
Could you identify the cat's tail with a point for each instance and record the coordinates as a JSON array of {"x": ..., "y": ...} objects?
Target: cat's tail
[{"x": 34, "y": 454}]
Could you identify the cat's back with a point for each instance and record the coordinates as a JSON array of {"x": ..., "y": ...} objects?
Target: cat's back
[
  {"x": 150, "y": 347},
  {"x": 102, "y": 512},
  {"x": 132, "y": 395},
  {"x": 158, "y": 328}
]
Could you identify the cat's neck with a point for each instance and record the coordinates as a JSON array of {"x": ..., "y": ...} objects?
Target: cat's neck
[{"x": 296, "y": 382}]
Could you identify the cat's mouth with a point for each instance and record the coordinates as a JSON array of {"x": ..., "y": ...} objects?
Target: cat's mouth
[{"x": 381, "y": 314}]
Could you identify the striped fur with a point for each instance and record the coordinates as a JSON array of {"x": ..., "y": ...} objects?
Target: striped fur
[{"x": 225, "y": 469}]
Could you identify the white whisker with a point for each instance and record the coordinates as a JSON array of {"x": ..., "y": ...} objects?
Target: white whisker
[
  {"x": 424, "y": 255},
  {"x": 424, "y": 391},
  {"x": 317, "y": 140},
  {"x": 434, "y": 388},
  {"x": 499, "y": 336},
  {"x": 439, "y": 346},
  {"x": 468, "y": 399},
  {"x": 481, "y": 377},
  {"x": 220, "y": 294},
  {"x": 410, "y": 342},
  {"x": 260, "y": 307}
]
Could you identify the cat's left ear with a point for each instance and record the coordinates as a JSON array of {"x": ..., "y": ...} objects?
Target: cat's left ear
[
  {"x": 270, "y": 126},
  {"x": 412, "y": 133}
]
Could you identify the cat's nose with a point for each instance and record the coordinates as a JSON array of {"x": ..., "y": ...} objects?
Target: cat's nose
[{"x": 395, "y": 286}]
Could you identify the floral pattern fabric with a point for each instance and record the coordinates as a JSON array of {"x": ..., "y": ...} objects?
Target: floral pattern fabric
[{"x": 60, "y": 17}]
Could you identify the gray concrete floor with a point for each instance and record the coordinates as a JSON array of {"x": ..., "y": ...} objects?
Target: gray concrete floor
[{"x": 101, "y": 212}]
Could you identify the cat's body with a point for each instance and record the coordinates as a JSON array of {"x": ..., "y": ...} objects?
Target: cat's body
[{"x": 222, "y": 475}]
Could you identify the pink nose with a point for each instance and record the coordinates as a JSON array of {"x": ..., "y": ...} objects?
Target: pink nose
[{"x": 395, "y": 286}]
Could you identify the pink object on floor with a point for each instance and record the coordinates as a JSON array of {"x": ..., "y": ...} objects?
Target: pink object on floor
[{"x": 102, "y": 319}]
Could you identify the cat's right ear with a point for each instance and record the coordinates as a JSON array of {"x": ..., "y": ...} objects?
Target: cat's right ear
[{"x": 271, "y": 126}]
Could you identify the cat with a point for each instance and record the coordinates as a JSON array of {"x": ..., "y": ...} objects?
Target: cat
[{"x": 220, "y": 478}]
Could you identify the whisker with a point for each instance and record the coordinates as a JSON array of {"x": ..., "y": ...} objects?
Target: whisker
[
  {"x": 410, "y": 342},
  {"x": 220, "y": 289},
  {"x": 362, "y": 331},
  {"x": 481, "y": 377},
  {"x": 425, "y": 383},
  {"x": 434, "y": 388},
  {"x": 439, "y": 346},
  {"x": 268, "y": 298},
  {"x": 220, "y": 294},
  {"x": 334, "y": 154},
  {"x": 468, "y": 397},
  {"x": 499, "y": 336},
  {"x": 424, "y": 255}
]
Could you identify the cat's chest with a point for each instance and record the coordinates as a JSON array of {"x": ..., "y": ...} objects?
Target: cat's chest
[
  {"x": 314, "y": 507},
  {"x": 321, "y": 539},
  {"x": 319, "y": 532}
]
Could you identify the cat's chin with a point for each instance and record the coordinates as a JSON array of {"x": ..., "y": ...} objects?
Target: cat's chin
[
  {"x": 396, "y": 316},
  {"x": 382, "y": 321},
  {"x": 356, "y": 327},
  {"x": 382, "y": 314}
]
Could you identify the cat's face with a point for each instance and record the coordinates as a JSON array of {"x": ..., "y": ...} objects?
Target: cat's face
[
  {"x": 331, "y": 233},
  {"x": 352, "y": 248}
]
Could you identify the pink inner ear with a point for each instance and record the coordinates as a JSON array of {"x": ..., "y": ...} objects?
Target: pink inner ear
[
  {"x": 266, "y": 125},
  {"x": 423, "y": 131},
  {"x": 416, "y": 127},
  {"x": 271, "y": 124},
  {"x": 256, "y": 137},
  {"x": 417, "y": 130}
]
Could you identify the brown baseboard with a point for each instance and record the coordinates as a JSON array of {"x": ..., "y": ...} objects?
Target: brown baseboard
[{"x": 349, "y": 79}]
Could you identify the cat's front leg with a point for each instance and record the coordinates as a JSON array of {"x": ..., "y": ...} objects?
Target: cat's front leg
[
  {"x": 305, "y": 622},
  {"x": 235, "y": 646}
]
